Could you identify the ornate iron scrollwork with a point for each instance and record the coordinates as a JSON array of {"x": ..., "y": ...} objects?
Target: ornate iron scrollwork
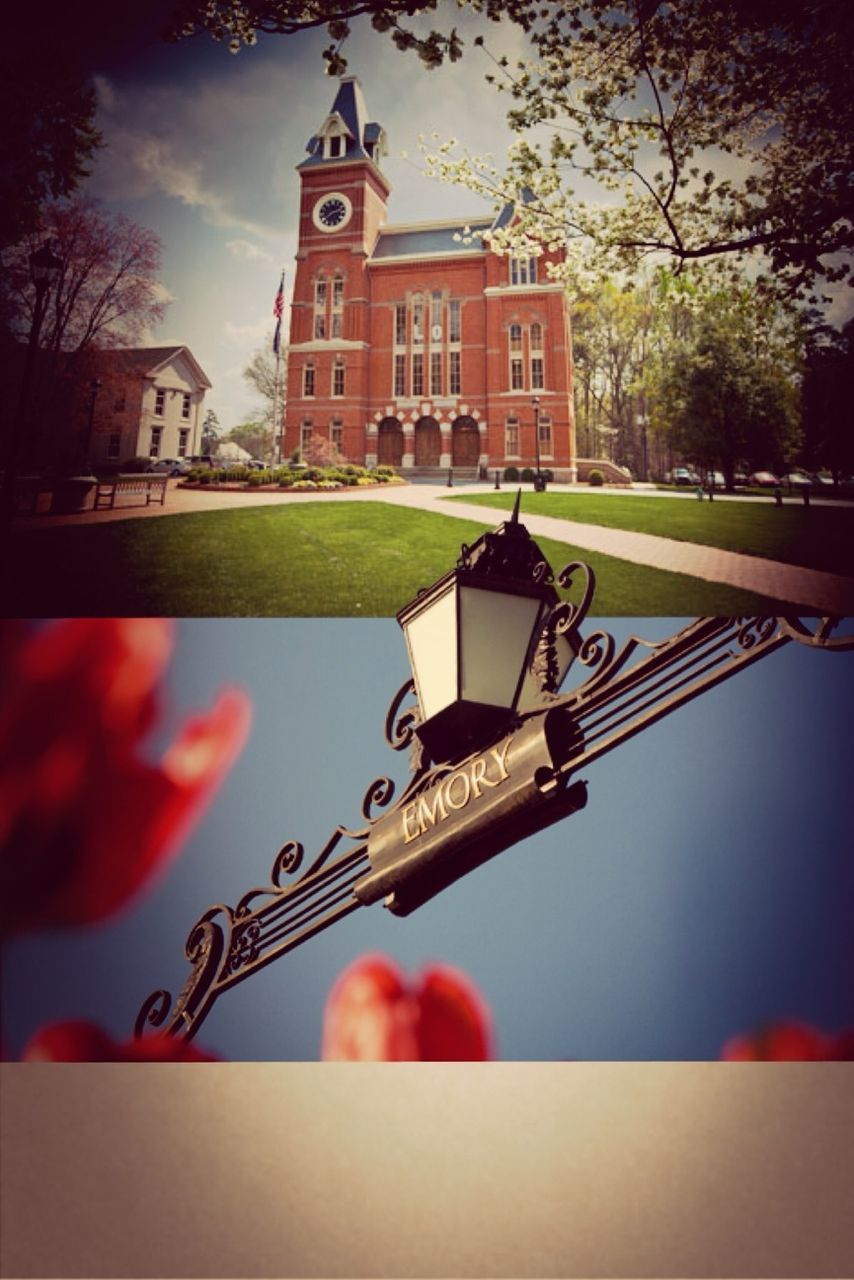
[{"x": 621, "y": 692}]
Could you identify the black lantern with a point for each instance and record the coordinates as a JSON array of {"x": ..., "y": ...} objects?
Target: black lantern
[{"x": 472, "y": 637}]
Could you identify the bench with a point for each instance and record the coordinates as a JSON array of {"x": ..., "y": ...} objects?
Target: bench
[{"x": 152, "y": 487}]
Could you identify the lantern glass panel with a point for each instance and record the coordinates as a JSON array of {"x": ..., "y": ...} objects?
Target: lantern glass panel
[
  {"x": 496, "y": 631},
  {"x": 432, "y": 639}
]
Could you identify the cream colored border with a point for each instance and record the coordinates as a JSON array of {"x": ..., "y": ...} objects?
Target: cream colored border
[{"x": 500, "y": 1170}]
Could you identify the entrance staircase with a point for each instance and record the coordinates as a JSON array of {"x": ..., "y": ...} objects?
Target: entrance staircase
[{"x": 439, "y": 475}]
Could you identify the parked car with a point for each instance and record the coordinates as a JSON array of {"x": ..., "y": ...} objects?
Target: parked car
[
  {"x": 171, "y": 466},
  {"x": 795, "y": 478},
  {"x": 764, "y": 479},
  {"x": 201, "y": 460},
  {"x": 683, "y": 475},
  {"x": 716, "y": 478}
]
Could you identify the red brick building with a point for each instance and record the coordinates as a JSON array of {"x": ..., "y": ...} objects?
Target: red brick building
[{"x": 416, "y": 345}]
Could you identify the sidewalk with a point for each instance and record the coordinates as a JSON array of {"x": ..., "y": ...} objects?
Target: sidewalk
[{"x": 827, "y": 593}]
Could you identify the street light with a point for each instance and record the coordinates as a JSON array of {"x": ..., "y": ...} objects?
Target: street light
[
  {"x": 538, "y": 479},
  {"x": 94, "y": 387},
  {"x": 471, "y": 638},
  {"x": 45, "y": 267}
]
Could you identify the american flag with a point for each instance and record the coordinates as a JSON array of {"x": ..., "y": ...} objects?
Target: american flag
[{"x": 278, "y": 308}]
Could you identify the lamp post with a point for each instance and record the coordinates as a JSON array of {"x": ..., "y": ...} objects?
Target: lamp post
[
  {"x": 45, "y": 267},
  {"x": 94, "y": 388},
  {"x": 539, "y": 484},
  {"x": 495, "y": 750}
]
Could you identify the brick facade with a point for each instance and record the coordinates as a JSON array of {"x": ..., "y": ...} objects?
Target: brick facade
[{"x": 416, "y": 345}]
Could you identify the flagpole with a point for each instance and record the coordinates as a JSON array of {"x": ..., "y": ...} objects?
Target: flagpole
[{"x": 278, "y": 430}]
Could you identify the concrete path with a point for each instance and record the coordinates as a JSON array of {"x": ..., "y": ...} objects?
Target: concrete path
[{"x": 826, "y": 593}]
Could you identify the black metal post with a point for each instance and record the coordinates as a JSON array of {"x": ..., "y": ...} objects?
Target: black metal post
[
  {"x": 95, "y": 386},
  {"x": 497, "y": 480}
]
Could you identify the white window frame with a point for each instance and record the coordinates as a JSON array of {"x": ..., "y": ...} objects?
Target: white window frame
[
  {"x": 183, "y": 441},
  {"x": 156, "y": 441},
  {"x": 400, "y": 375},
  {"x": 455, "y": 373},
  {"x": 160, "y": 402},
  {"x": 511, "y": 433},
  {"x": 186, "y": 405},
  {"x": 418, "y": 373},
  {"x": 338, "y": 378}
]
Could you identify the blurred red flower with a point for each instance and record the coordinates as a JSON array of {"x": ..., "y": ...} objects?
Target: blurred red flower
[
  {"x": 78, "y": 1041},
  {"x": 789, "y": 1042},
  {"x": 84, "y": 821},
  {"x": 374, "y": 1014}
]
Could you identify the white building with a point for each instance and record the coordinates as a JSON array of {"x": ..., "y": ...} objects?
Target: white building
[{"x": 148, "y": 404}]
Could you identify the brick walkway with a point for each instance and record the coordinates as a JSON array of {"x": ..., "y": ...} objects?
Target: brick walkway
[{"x": 825, "y": 592}]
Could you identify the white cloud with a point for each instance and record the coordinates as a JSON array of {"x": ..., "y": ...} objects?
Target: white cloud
[
  {"x": 245, "y": 251},
  {"x": 244, "y": 334}
]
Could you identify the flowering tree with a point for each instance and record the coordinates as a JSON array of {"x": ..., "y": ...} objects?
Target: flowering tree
[
  {"x": 374, "y": 1014},
  {"x": 85, "y": 823}
]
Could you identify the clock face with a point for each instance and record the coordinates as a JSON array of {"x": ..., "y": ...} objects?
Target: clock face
[{"x": 332, "y": 212}]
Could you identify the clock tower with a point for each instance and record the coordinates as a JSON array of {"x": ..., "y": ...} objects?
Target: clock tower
[{"x": 342, "y": 208}]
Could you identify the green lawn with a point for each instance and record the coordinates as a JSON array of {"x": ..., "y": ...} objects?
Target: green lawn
[
  {"x": 313, "y": 559},
  {"x": 815, "y": 537}
]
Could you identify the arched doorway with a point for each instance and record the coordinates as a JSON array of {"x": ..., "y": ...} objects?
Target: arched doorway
[
  {"x": 390, "y": 443},
  {"x": 428, "y": 443},
  {"x": 465, "y": 442}
]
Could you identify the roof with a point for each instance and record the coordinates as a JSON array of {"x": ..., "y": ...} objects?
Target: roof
[
  {"x": 348, "y": 108},
  {"x": 431, "y": 240},
  {"x": 146, "y": 361}
]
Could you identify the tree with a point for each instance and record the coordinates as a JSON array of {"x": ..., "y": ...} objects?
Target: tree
[
  {"x": 262, "y": 374},
  {"x": 828, "y": 416},
  {"x": 254, "y": 437},
  {"x": 211, "y": 432},
  {"x": 727, "y": 394},
  {"x": 48, "y": 117},
  {"x": 318, "y": 451},
  {"x": 709, "y": 128},
  {"x": 107, "y": 292}
]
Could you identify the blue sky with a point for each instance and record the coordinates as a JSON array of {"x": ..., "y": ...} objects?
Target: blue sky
[{"x": 706, "y": 887}]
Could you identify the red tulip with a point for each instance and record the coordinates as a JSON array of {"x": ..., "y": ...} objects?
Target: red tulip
[
  {"x": 789, "y": 1042},
  {"x": 85, "y": 822},
  {"x": 373, "y": 1014},
  {"x": 77, "y": 1041}
]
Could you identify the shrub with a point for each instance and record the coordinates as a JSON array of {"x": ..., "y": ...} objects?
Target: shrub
[
  {"x": 596, "y": 478},
  {"x": 527, "y": 475},
  {"x": 511, "y": 473},
  {"x": 304, "y": 484},
  {"x": 256, "y": 478},
  {"x": 386, "y": 472},
  {"x": 549, "y": 475},
  {"x": 330, "y": 484}
]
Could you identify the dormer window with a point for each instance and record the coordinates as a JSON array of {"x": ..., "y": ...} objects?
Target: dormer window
[{"x": 334, "y": 147}]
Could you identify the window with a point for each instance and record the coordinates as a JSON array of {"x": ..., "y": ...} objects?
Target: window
[
  {"x": 537, "y": 382},
  {"x": 320, "y": 293},
  {"x": 306, "y": 431},
  {"x": 400, "y": 375},
  {"x": 335, "y": 146},
  {"x": 336, "y": 433},
  {"x": 160, "y": 402},
  {"x": 545, "y": 434},
  {"x": 308, "y": 380},
  {"x": 183, "y": 441},
  {"x": 436, "y": 309},
  {"x": 338, "y": 377},
  {"x": 515, "y": 337},
  {"x": 185, "y": 405},
  {"x": 337, "y": 305},
  {"x": 418, "y": 374},
  {"x": 114, "y": 444},
  {"x": 517, "y": 381},
  {"x": 320, "y": 326},
  {"x": 417, "y": 319},
  {"x": 536, "y": 337},
  {"x": 435, "y": 373},
  {"x": 454, "y": 320},
  {"x": 400, "y": 325},
  {"x": 523, "y": 270},
  {"x": 154, "y": 450},
  {"x": 454, "y": 373},
  {"x": 511, "y": 438}
]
